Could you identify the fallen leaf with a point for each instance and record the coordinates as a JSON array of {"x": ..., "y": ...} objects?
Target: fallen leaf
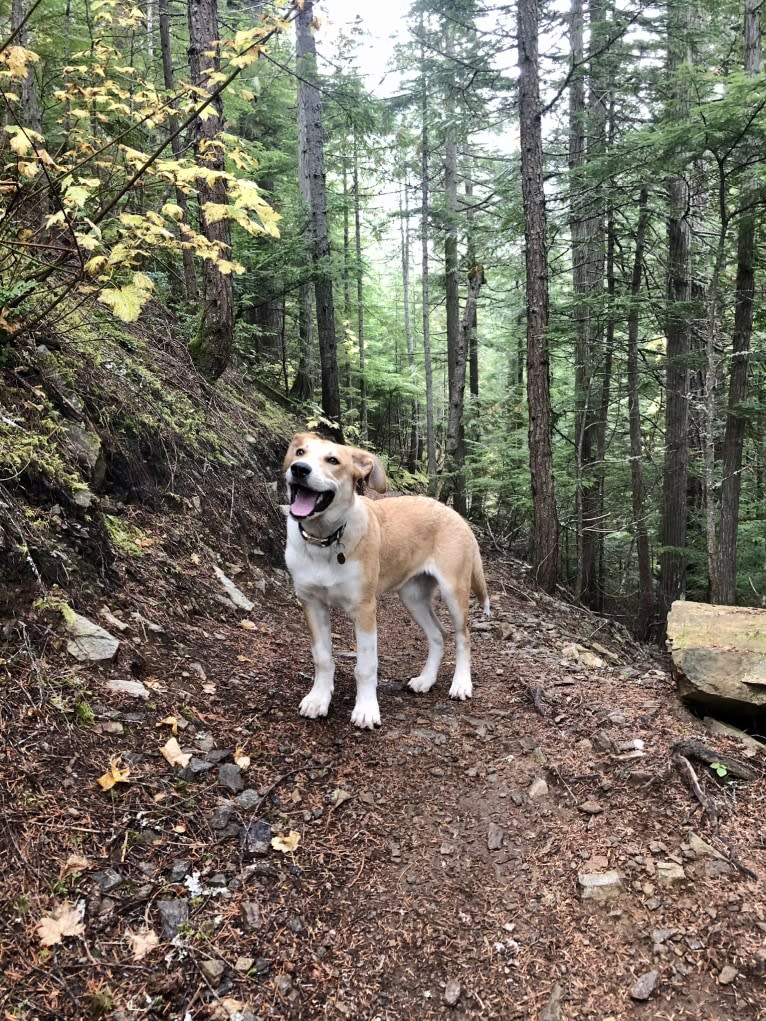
[
  {"x": 117, "y": 773},
  {"x": 142, "y": 942},
  {"x": 242, "y": 760},
  {"x": 75, "y": 863},
  {"x": 338, "y": 796},
  {"x": 286, "y": 844},
  {"x": 179, "y": 828},
  {"x": 65, "y": 920},
  {"x": 171, "y": 751},
  {"x": 248, "y": 625},
  {"x": 169, "y": 721},
  {"x": 245, "y": 659},
  {"x": 209, "y": 689}
]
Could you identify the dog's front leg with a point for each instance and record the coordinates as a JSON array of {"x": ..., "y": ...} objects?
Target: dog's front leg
[
  {"x": 366, "y": 713},
  {"x": 317, "y": 702}
]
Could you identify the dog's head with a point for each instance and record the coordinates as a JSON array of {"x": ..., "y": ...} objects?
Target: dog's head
[{"x": 321, "y": 475}]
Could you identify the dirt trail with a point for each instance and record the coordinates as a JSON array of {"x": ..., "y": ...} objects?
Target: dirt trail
[{"x": 436, "y": 874}]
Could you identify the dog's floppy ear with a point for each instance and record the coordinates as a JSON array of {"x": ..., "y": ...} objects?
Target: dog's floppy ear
[{"x": 370, "y": 469}]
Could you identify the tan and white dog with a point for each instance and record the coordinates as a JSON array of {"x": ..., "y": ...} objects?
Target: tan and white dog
[{"x": 344, "y": 549}]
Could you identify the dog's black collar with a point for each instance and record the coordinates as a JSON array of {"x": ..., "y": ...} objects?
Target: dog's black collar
[{"x": 329, "y": 540}]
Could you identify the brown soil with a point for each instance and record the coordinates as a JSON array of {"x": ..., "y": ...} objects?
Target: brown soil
[{"x": 392, "y": 905}]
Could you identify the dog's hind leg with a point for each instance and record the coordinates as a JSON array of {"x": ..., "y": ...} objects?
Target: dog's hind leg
[
  {"x": 417, "y": 596},
  {"x": 317, "y": 702},
  {"x": 456, "y": 597}
]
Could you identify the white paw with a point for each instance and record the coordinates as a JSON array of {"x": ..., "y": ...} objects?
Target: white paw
[
  {"x": 315, "y": 704},
  {"x": 366, "y": 715},
  {"x": 421, "y": 684},
  {"x": 461, "y": 689}
]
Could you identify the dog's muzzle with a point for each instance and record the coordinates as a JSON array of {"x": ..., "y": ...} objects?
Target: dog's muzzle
[{"x": 305, "y": 501}]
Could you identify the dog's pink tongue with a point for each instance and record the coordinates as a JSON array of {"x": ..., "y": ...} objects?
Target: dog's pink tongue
[{"x": 304, "y": 503}]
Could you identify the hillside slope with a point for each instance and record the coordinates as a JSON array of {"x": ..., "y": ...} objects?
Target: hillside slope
[{"x": 290, "y": 868}]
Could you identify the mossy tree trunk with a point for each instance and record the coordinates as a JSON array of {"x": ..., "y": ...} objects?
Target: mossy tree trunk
[{"x": 211, "y": 348}]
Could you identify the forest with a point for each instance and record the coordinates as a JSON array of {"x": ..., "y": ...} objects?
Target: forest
[{"x": 522, "y": 263}]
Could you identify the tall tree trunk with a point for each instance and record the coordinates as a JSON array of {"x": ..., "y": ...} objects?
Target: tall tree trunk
[
  {"x": 303, "y": 384},
  {"x": 404, "y": 220},
  {"x": 640, "y": 532},
  {"x": 545, "y": 530},
  {"x": 190, "y": 276},
  {"x": 473, "y": 340},
  {"x": 455, "y": 466},
  {"x": 363, "y": 425},
  {"x": 425, "y": 156},
  {"x": 673, "y": 555},
  {"x": 587, "y": 122},
  {"x": 744, "y": 293},
  {"x": 211, "y": 348},
  {"x": 455, "y": 481},
  {"x": 312, "y": 159}
]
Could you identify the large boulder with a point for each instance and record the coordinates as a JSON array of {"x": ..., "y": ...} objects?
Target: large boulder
[{"x": 719, "y": 656}]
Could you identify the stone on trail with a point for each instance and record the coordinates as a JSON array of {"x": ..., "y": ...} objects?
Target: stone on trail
[
  {"x": 495, "y": 835},
  {"x": 599, "y": 886},
  {"x": 644, "y": 986},
  {"x": 89, "y": 642},
  {"x": 452, "y": 992},
  {"x": 124, "y": 687}
]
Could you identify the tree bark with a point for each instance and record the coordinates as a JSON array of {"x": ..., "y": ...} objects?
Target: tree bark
[
  {"x": 313, "y": 172},
  {"x": 425, "y": 156},
  {"x": 211, "y": 348},
  {"x": 363, "y": 424},
  {"x": 640, "y": 532},
  {"x": 190, "y": 275},
  {"x": 673, "y": 556},
  {"x": 744, "y": 293},
  {"x": 404, "y": 219},
  {"x": 545, "y": 529},
  {"x": 455, "y": 462}
]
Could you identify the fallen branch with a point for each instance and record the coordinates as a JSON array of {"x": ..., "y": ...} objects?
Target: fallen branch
[
  {"x": 690, "y": 777},
  {"x": 699, "y": 751}
]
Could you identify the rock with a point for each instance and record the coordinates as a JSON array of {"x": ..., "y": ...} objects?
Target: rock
[
  {"x": 230, "y": 777},
  {"x": 213, "y": 971},
  {"x": 237, "y": 598},
  {"x": 750, "y": 744},
  {"x": 87, "y": 447},
  {"x": 250, "y": 913},
  {"x": 248, "y": 800},
  {"x": 669, "y": 872},
  {"x": 591, "y": 808},
  {"x": 552, "y": 1009},
  {"x": 539, "y": 789},
  {"x": 644, "y": 986},
  {"x": 452, "y": 992},
  {"x": 599, "y": 886},
  {"x": 719, "y": 654},
  {"x": 173, "y": 914},
  {"x": 700, "y": 848},
  {"x": 495, "y": 836},
  {"x": 89, "y": 642},
  {"x": 107, "y": 880},
  {"x": 83, "y": 498},
  {"x": 133, "y": 688},
  {"x": 727, "y": 975},
  {"x": 221, "y": 818},
  {"x": 256, "y": 838},
  {"x": 179, "y": 870}
]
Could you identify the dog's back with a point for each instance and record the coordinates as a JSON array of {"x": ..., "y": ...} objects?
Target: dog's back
[{"x": 419, "y": 535}]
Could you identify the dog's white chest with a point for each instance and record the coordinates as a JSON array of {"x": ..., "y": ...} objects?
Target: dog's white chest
[{"x": 317, "y": 575}]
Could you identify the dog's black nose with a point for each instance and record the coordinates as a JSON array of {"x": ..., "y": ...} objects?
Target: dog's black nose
[{"x": 299, "y": 469}]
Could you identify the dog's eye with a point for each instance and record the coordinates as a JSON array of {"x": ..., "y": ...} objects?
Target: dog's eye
[
  {"x": 332, "y": 460},
  {"x": 300, "y": 452}
]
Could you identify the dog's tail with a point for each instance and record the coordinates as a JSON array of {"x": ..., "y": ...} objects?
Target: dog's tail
[{"x": 479, "y": 582}]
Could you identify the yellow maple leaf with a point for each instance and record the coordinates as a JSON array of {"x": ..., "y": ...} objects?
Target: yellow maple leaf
[
  {"x": 17, "y": 59},
  {"x": 170, "y": 721},
  {"x": 142, "y": 942},
  {"x": 127, "y": 302},
  {"x": 117, "y": 773},
  {"x": 286, "y": 844},
  {"x": 64, "y": 920}
]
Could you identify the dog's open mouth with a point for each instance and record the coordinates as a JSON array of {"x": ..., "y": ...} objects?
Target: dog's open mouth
[{"x": 305, "y": 502}]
